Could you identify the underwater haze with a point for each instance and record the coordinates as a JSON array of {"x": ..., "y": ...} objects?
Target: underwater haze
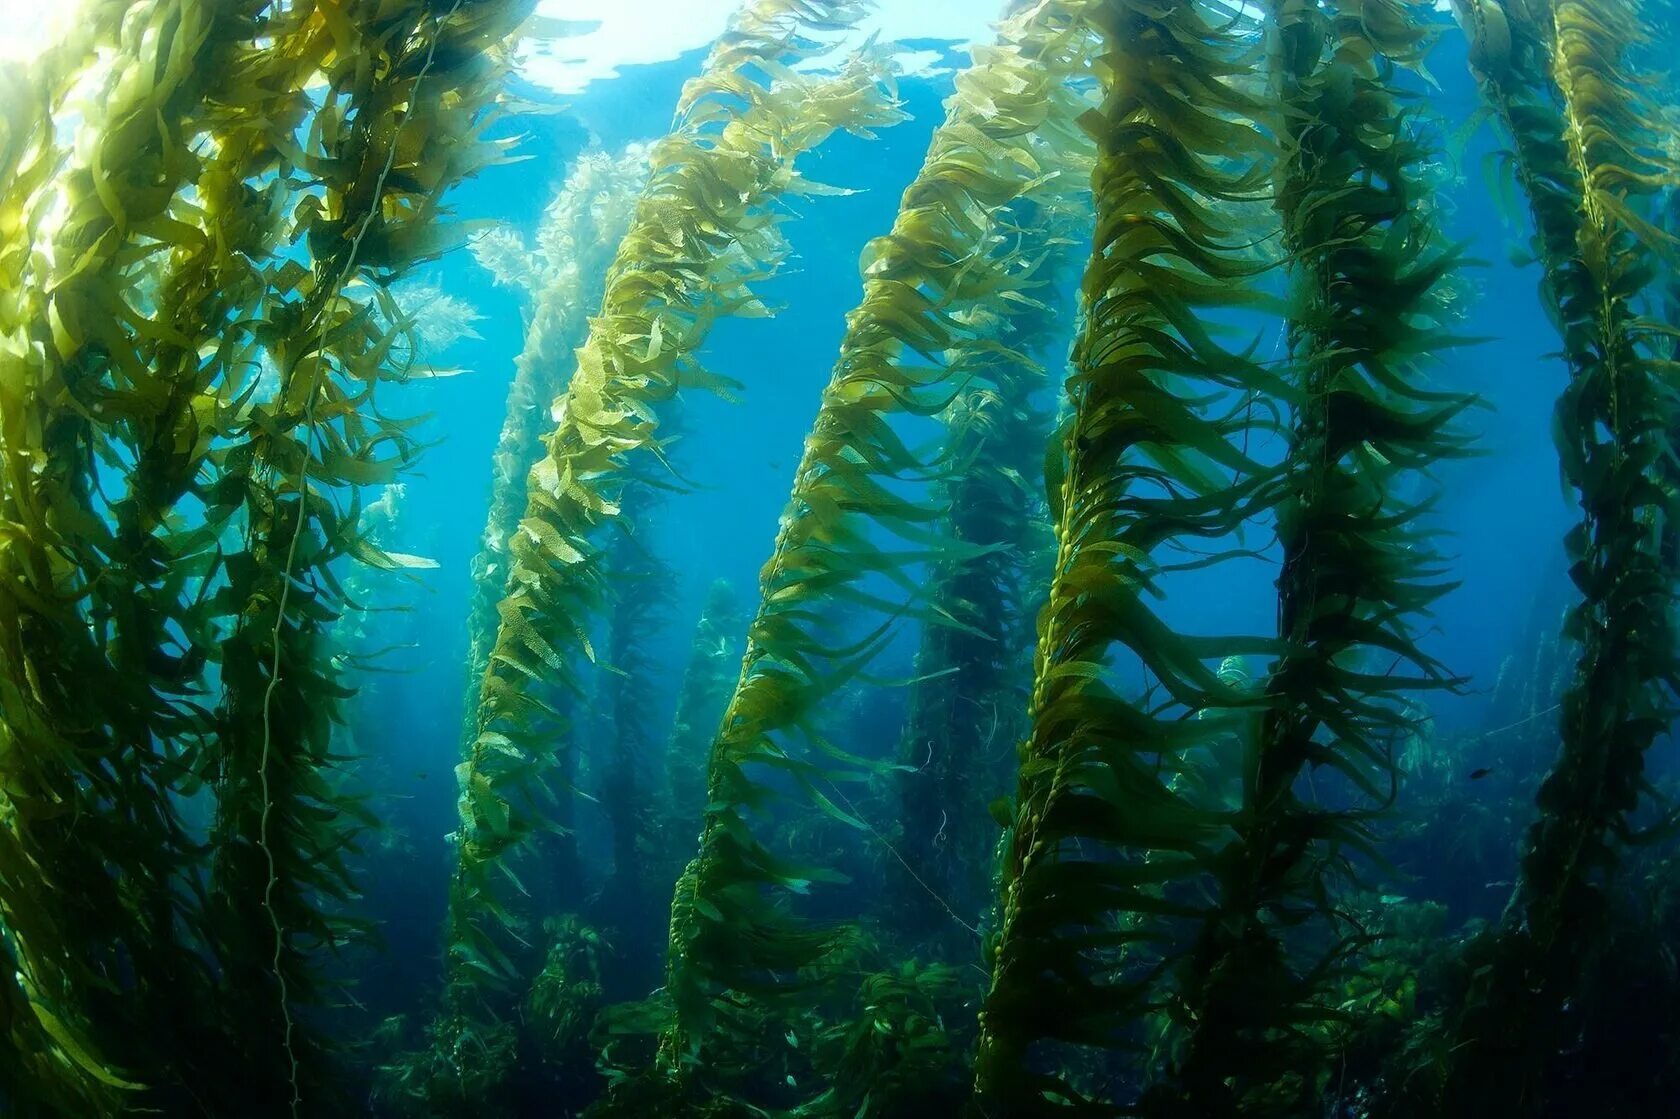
[{"x": 816, "y": 559}]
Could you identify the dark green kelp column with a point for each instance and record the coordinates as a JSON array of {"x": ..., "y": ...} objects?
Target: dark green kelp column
[
  {"x": 1258, "y": 996},
  {"x": 1587, "y": 147},
  {"x": 968, "y": 701},
  {"x": 1111, "y": 844},
  {"x": 708, "y": 680},
  {"x": 560, "y": 279},
  {"x": 633, "y": 895},
  {"x": 50, "y": 1061},
  {"x": 136, "y": 252}
]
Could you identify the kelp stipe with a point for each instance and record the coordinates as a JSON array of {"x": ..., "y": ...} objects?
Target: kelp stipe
[
  {"x": 382, "y": 147},
  {"x": 969, "y": 695},
  {"x": 704, "y": 229},
  {"x": 1258, "y": 999},
  {"x": 1108, "y": 811},
  {"x": 128, "y": 286},
  {"x": 861, "y": 520},
  {"x": 1586, "y": 147},
  {"x": 560, "y": 278},
  {"x": 49, "y": 1062},
  {"x": 640, "y": 595},
  {"x": 708, "y": 681}
]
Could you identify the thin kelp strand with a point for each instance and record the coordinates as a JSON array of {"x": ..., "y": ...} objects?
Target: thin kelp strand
[{"x": 300, "y": 484}]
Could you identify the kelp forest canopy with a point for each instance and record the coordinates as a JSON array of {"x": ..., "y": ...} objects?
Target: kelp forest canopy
[{"x": 1089, "y": 716}]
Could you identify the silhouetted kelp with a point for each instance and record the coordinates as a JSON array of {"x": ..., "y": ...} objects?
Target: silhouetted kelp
[{"x": 1586, "y": 146}]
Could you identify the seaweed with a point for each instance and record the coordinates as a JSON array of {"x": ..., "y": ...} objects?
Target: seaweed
[
  {"x": 1586, "y": 148},
  {"x": 1149, "y": 460},
  {"x": 104, "y": 594},
  {"x": 861, "y": 521},
  {"x": 150, "y": 294},
  {"x": 893, "y": 1057},
  {"x": 565, "y": 997},
  {"x": 560, "y": 278},
  {"x": 641, "y": 597},
  {"x": 383, "y": 145},
  {"x": 707, "y": 683},
  {"x": 1358, "y": 569},
  {"x": 969, "y": 693},
  {"x": 703, "y": 230}
]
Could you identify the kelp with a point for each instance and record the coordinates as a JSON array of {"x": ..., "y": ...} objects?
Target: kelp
[
  {"x": 1586, "y": 149},
  {"x": 356, "y": 638},
  {"x": 894, "y": 1057},
  {"x": 407, "y": 96},
  {"x": 151, "y": 279},
  {"x": 703, "y": 230},
  {"x": 48, "y": 1062},
  {"x": 1257, "y": 1005},
  {"x": 861, "y": 522},
  {"x": 966, "y": 706},
  {"x": 708, "y": 681},
  {"x": 1139, "y": 887},
  {"x": 560, "y": 279},
  {"x": 127, "y": 244},
  {"x": 640, "y": 597},
  {"x": 1110, "y": 806}
]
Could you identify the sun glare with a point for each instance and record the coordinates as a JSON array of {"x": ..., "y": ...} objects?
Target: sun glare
[{"x": 26, "y": 27}]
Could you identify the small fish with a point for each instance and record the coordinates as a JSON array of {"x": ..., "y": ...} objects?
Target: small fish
[
  {"x": 1478, "y": 774},
  {"x": 419, "y": 775}
]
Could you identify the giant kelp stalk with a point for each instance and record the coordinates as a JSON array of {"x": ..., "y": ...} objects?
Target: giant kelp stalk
[
  {"x": 148, "y": 294},
  {"x": 641, "y": 593},
  {"x": 703, "y": 230},
  {"x": 49, "y": 1063},
  {"x": 1137, "y": 884},
  {"x": 137, "y": 255},
  {"x": 964, "y": 711},
  {"x": 860, "y": 524},
  {"x": 708, "y": 681},
  {"x": 1107, "y": 812},
  {"x": 1586, "y": 150},
  {"x": 1358, "y": 573},
  {"x": 560, "y": 277},
  {"x": 401, "y": 120}
]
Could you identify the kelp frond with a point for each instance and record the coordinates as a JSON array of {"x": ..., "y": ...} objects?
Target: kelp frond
[
  {"x": 1260, "y": 989},
  {"x": 707, "y": 684},
  {"x": 1589, "y": 148},
  {"x": 1112, "y": 804},
  {"x": 561, "y": 283},
  {"x": 200, "y": 233},
  {"x": 703, "y": 230},
  {"x": 859, "y": 525},
  {"x": 114, "y": 284},
  {"x": 382, "y": 147},
  {"x": 967, "y": 704}
]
